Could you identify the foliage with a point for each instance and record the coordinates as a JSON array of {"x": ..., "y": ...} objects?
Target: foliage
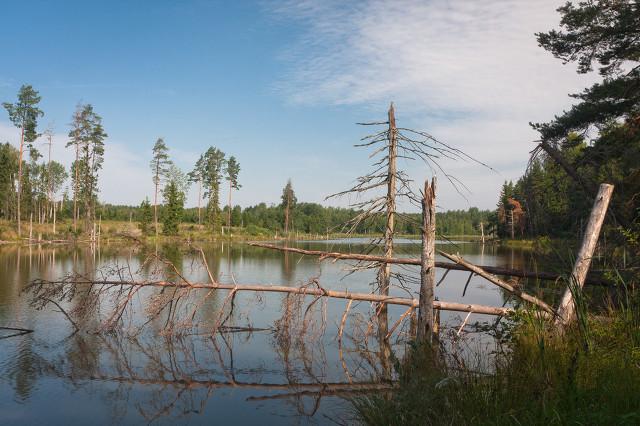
[
  {"x": 212, "y": 170},
  {"x": 25, "y": 112},
  {"x": 289, "y": 201},
  {"x": 160, "y": 162},
  {"x": 145, "y": 217},
  {"x": 8, "y": 172},
  {"x": 174, "y": 207},
  {"x": 232, "y": 170},
  {"x": 588, "y": 376},
  {"x": 597, "y": 139},
  {"x": 87, "y": 135}
]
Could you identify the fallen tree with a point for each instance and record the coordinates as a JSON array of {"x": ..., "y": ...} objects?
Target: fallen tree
[{"x": 546, "y": 276}]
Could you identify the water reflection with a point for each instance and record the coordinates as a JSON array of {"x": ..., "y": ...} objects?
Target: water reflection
[{"x": 291, "y": 364}]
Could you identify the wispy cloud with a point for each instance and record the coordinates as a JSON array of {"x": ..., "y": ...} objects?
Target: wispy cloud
[{"x": 469, "y": 71}]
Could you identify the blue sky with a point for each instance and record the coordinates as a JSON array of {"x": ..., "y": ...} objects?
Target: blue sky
[{"x": 281, "y": 84}]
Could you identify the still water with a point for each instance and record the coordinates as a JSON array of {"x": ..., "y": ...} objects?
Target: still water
[{"x": 274, "y": 374}]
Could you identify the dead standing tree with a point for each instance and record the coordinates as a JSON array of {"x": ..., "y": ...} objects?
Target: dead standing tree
[{"x": 392, "y": 143}]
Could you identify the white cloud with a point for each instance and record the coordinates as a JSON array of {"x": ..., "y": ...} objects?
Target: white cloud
[{"x": 470, "y": 72}]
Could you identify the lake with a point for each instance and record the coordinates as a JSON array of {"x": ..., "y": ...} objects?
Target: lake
[{"x": 264, "y": 368}]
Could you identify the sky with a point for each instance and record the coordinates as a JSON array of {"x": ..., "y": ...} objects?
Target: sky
[{"x": 281, "y": 85}]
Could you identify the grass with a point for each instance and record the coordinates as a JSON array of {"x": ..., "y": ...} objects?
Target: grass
[
  {"x": 588, "y": 376},
  {"x": 113, "y": 230}
]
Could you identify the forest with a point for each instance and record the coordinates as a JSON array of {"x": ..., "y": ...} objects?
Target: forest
[{"x": 40, "y": 190}]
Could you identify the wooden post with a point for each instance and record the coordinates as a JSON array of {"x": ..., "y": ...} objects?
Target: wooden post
[
  {"x": 428, "y": 268},
  {"x": 567, "y": 310}
]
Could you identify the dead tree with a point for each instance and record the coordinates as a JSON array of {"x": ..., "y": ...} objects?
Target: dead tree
[
  {"x": 386, "y": 185},
  {"x": 428, "y": 268},
  {"x": 567, "y": 309}
]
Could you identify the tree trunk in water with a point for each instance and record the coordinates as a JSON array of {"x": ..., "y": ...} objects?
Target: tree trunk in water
[
  {"x": 567, "y": 309},
  {"x": 384, "y": 275},
  {"x": 425, "y": 332}
]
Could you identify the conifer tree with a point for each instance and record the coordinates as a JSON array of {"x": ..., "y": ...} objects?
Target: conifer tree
[
  {"x": 24, "y": 115},
  {"x": 173, "y": 209},
  {"x": 213, "y": 167},
  {"x": 232, "y": 171},
  {"x": 87, "y": 136},
  {"x": 160, "y": 164},
  {"x": 146, "y": 217},
  {"x": 289, "y": 201}
]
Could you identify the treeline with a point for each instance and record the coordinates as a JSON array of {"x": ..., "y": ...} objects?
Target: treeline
[{"x": 313, "y": 218}]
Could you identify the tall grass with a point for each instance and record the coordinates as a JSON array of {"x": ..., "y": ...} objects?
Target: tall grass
[{"x": 589, "y": 375}]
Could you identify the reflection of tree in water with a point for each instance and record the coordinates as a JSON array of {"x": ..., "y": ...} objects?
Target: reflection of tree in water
[
  {"x": 288, "y": 263},
  {"x": 23, "y": 369},
  {"x": 180, "y": 375},
  {"x": 166, "y": 338}
]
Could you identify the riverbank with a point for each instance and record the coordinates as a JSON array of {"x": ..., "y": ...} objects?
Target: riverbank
[
  {"x": 111, "y": 231},
  {"x": 590, "y": 375}
]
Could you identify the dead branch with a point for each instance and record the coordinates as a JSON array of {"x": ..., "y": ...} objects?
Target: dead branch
[
  {"x": 547, "y": 276},
  {"x": 497, "y": 281}
]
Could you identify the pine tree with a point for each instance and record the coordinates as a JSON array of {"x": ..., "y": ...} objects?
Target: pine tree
[
  {"x": 174, "y": 208},
  {"x": 24, "y": 114},
  {"x": 232, "y": 170},
  {"x": 159, "y": 168},
  {"x": 289, "y": 201},
  {"x": 197, "y": 175},
  {"x": 213, "y": 167},
  {"x": 87, "y": 136},
  {"x": 146, "y": 217}
]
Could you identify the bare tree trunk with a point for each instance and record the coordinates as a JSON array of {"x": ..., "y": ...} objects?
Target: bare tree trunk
[
  {"x": 229, "y": 212},
  {"x": 567, "y": 309},
  {"x": 384, "y": 275},
  {"x": 155, "y": 199},
  {"x": 426, "y": 329},
  {"x": 75, "y": 191},
  {"x": 512, "y": 225},
  {"x": 286, "y": 217},
  {"x": 199, "y": 200},
  {"x": 20, "y": 178},
  {"x": 539, "y": 275},
  {"x": 482, "y": 231},
  {"x": 306, "y": 291}
]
